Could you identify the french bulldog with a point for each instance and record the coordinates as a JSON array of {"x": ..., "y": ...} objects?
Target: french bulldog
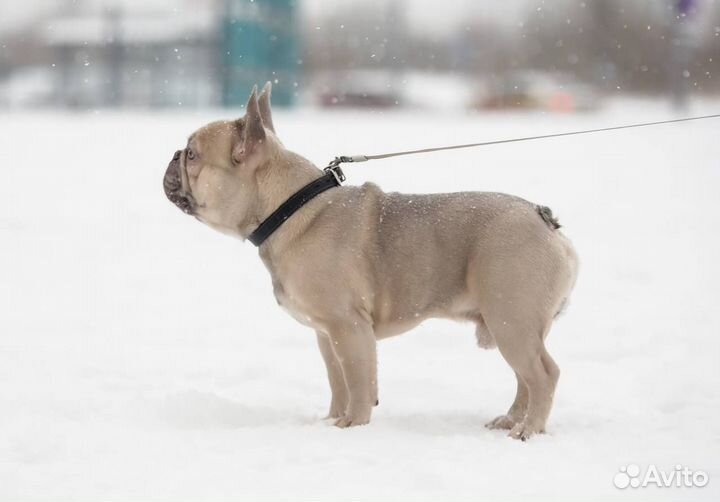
[{"x": 357, "y": 264}]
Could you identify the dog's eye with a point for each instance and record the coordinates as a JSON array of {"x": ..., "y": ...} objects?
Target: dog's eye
[{"x": 190, "y": 154}]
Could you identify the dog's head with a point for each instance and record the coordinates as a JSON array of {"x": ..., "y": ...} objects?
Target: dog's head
[{"x": 216, "y": 176}]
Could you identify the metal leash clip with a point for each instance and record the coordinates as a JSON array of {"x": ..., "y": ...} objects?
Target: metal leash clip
[{"x": 334, "y": 168}]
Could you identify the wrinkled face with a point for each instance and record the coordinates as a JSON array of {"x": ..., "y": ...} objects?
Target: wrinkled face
[
  {"x": 214, "y": 178},
  {"x": 204, "y": 181}
]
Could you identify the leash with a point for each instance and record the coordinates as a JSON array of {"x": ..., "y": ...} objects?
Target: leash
[{"x": 334, "y": 166}]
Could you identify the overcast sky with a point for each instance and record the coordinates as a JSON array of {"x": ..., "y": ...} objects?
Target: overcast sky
[{"x": 435, "y": 15}]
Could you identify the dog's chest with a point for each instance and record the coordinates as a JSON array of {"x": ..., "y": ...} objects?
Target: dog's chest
[
  {"x": 292, "y": 304},
  {"x": 288, "y": 290}
]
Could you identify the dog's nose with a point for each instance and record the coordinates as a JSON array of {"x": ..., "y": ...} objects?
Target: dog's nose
[{"x": 177, "y": 155}]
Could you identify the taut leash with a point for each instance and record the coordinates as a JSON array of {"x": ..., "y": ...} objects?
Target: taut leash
[{"x": 334, "y": 166}]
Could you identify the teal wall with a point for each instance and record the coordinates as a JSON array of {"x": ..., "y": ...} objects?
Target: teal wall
[{"x": 260, "y": 43}]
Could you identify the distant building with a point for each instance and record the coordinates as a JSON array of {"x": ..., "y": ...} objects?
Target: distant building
[
  {"x": 136, "y": 59},
  {"x": 189, "y": 58}
]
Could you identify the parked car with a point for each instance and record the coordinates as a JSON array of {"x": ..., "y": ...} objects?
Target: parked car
[{"x": 532, "y": 90}]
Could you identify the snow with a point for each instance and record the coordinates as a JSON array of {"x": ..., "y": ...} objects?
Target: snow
[{"x": 143, "y": 355}]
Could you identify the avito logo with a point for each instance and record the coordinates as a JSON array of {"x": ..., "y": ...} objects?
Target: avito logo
[{"x": 632, "y": 476}]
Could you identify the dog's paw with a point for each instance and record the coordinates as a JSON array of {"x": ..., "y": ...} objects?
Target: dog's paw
[
  {"x": 335, "y": 413},
  {"x": 502, "y": 422},
  {"x": 523, "y": 431},
  {"x": 348, "y": 421},
  {"x": 354, "y": 418}
]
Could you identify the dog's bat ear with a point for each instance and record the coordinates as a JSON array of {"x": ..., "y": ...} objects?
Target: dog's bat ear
[
  {"x": 253, "y": 132},
  {"x": 254, "y": 129},
  {"x": 264, "y": 104}
]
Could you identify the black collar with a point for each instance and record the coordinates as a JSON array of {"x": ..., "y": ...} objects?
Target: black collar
[{"x": 296, "y": 201}]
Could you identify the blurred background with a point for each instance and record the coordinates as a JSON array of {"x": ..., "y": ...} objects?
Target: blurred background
[
  {"x": 559, "y": 55},
  {"x": 143, "y": 355}
]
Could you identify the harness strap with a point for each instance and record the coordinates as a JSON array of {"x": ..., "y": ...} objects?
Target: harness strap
[{"x": 294, "y": 203}]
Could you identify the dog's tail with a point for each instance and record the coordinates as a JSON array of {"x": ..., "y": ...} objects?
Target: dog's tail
[{"x": 547, "y": 215}]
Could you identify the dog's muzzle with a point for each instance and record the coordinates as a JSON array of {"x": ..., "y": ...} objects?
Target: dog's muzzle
[{"x": 172, "y": 183}]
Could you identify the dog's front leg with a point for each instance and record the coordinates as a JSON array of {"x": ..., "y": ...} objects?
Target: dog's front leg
[
  {"x": 354, "y": 345},
  {"x": 338, "y": 387}
]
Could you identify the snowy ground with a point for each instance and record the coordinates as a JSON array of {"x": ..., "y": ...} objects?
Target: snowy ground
[{"x": 142, "y": 355}]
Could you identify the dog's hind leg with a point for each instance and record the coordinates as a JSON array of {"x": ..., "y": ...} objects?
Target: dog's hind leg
[
  {"x": 541, "y": 377},
  {"x": 517, "y": 410},
  {"x": 525, "y": 352},
  {"x": 520, "y": 284}
]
